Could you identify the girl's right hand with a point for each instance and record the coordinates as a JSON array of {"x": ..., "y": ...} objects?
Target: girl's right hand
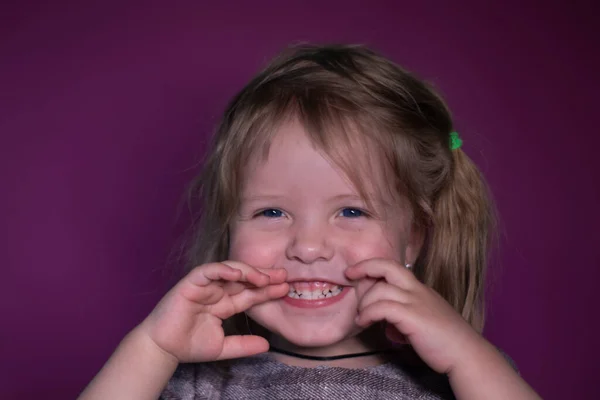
[{"x": 187, "y": 323}]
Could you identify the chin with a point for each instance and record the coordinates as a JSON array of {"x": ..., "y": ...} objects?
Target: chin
[
  {"x": 311, "y": 338},
  {"x": 305, "y": 331}
]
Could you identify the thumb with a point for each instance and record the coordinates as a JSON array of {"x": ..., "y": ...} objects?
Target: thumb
[
  {"x": 250, "y": 297},
  {"x": 243, "y": 346},
  {"x": 363, "y": 286}
]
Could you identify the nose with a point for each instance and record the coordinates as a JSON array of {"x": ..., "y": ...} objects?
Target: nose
[{"x": 309, "y": 243}]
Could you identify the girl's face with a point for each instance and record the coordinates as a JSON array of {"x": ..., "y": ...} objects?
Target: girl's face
[{"x": 300, "y": 213}]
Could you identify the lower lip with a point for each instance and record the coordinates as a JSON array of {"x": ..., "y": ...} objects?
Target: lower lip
[{"x": 316, "y": 303}]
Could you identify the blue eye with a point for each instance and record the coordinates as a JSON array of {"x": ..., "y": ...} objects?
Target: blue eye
[
  {"x": 352, "y": 213},
  {"x": 271, "y": 213}
]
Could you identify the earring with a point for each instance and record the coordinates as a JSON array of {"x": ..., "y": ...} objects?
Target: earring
[{"x": 408, "y": 266}]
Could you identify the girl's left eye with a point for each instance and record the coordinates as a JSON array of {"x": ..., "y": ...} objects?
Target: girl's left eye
[{"x": 352, "y": 213}]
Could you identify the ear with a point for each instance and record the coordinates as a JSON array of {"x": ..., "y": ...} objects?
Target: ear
[{"x": 415, "y": 243}]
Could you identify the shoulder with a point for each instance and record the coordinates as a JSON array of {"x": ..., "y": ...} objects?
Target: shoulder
[{"x": 415, "y": 377}]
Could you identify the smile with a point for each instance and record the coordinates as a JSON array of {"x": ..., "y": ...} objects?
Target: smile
[
  {"x": 307, "y": 294},
  {"x": 314, "y": 294}
]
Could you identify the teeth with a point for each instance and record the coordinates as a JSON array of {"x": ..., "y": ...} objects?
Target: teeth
[{"x": 314, "y": 295}]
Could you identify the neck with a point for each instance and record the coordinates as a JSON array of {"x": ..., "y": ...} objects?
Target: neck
[{"x": 350, "y": 352}]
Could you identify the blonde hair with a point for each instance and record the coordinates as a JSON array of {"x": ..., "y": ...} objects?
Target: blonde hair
[{"x": 348, "y": 97}]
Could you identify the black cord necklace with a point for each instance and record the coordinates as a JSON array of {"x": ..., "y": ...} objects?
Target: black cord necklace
[{"x": 327, "y": 358}]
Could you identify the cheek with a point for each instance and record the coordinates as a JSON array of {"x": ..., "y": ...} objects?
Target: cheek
[
  {"x": 373, "y": 246},
  {"x": 255, "y": 249}
]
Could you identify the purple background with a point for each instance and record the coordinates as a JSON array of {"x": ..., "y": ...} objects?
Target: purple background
[{"x": 104, "y": 109}]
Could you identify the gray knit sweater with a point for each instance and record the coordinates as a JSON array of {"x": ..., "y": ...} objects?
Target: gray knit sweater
[{"x": 263, "y": 378}]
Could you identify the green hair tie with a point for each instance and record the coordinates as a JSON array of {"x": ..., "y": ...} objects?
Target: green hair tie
[{"x": 455, "y": 141}]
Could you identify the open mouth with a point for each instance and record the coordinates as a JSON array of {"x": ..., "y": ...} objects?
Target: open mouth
[
  {"x": 314, "y": 294},
  {"x": 308, "y": 293}
]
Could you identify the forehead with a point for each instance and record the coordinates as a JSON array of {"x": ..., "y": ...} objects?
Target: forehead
[
  {"x": 291, "y": 156},
  {"x": 291, "y": 160}
]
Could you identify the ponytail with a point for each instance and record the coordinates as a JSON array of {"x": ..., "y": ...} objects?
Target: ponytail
[{"x": 462, "y": 219}]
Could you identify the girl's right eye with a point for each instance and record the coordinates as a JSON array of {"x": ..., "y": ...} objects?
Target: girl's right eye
[{"x": 271, "y": 213}]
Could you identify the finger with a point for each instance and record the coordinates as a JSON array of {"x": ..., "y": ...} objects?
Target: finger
[
  {"x": 207, "y": 273},
  {"x": 383, "y": 291},
  {"x": 208, "y": 295},
  {"x": 391, "y": 271},
  {"x": 233, "y": 288},
  {"x": 363, "y": 286},
  {"x": 277, "y": 275},
  {"x": 384, "y": 310},
  {"x": 252, "y": 297},
  {"x": 249, "y": 274},
  {"x": 243, "y": 346}
]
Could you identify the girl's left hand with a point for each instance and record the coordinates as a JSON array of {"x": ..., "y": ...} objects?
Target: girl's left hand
[{"x": 390, "y": 292}]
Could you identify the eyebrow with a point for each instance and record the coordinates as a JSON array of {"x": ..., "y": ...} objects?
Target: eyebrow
[
  {"x": 261, "y": 198},
  {"x": 347, "y": 197},
  {"x": 337, "y": 198},
  {"x": 374, "y": 200}
]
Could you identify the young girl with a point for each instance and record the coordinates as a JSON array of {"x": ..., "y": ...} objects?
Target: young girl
[{"x": 341, "y": 250}]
